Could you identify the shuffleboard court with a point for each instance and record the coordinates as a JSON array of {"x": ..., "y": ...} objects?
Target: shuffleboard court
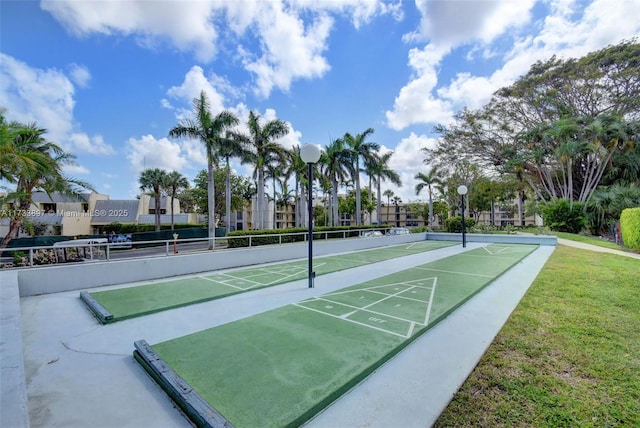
[
  {"x": 129, "y": 302},
  {"x": 281, "y": 367}
]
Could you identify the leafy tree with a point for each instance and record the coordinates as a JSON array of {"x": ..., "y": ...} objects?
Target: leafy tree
[
  {"x": 558, "y": 127},
  {"x": 153, "y": 179},
  {"x": 241, "y": 190},
  {"x": 30, "y": 162},
  {"x": 174, "y": 183},
  {"x": 262, "y": 147},
  {"x": 360, "y": 149},
  {"x": 211, "y": 131}
]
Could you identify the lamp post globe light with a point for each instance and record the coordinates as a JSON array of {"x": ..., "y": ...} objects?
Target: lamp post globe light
[
  {"x": 462, "y": 190},
  {"x": 310, "y": 154}
]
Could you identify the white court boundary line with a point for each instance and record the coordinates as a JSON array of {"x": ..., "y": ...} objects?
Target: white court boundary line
[{"x": 409, "y": 287}]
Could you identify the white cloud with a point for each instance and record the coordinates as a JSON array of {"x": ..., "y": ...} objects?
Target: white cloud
[
  {"x": 186, "y": 27},
  {"x": 72, "y": 170},
  {"x": 408, "y": 160},
  {"x": 195, "y": 82},
  {"x": 291, "y": 49},
  {"x": 571, "y": 29},
  {"x": 94, "y": 145},
  {"x": 80, "y": 75},
  {"x": 36, "y": 95},
  {"x": 291, "y": 35},
  {"x": 149, "y": 152},
  {"x": 450, "y": 23}
]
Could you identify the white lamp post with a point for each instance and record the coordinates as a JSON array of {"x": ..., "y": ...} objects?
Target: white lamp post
[
  {"x": 462, "y": 190},
  {"x": 310, "y": 154}
]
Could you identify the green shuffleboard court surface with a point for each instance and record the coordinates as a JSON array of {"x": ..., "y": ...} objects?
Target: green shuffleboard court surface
[
  {"x": 281, "y": 367},
  {"x": 123, "y": 303}
]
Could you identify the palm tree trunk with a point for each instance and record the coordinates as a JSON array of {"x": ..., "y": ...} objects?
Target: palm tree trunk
[
  {"x": 358, "y": 203},
  {"x": 260, "y": 203},
  {"x": 379, "y": 205},
  {"x": 334, "y": 191},
  {"x": 430, "y": 209},
  {"x": 173, "y": 194},
  {"x": 211, "y": 204},
  {"x": 228, "y": 198},
  {"x": 157, "y": 207}
]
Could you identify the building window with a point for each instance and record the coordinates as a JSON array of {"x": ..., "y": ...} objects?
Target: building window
[{"x": 49, "y": 208}]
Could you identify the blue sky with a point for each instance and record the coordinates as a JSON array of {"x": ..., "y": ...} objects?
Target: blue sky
[{"x": 108, "y": 79}]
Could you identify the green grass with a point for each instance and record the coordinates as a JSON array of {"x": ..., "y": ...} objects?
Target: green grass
[
  {"x": 568, "y": 356},
  {"x": 281, "y": 367},
  {"x": 590, "y": 240}
]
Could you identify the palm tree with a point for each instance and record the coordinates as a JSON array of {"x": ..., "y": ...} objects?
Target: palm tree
[
  {"x": 360, "y": 148},
  {"x": 380, "y": 171},
  {"x": 389, "y": 194},
  {"x": 274, "y": 172},
  {"x": 174, "y": 182},
  {"x": 262, "y": 147},
  {"x": 396, "y": 201},
  {"x": 428, "y": 180},
  {"x": 298, "y": 168},
  {"x": 31, "y": 162},
  {"x": 210, "y": 130},
  {"x": 153, "y": 179},
  {"x": 230, "y": 147},
  {"x": 336, "y": 162}
]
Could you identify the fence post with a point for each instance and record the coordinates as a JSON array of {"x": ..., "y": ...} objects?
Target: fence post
[{"x": 31, "y": 257}]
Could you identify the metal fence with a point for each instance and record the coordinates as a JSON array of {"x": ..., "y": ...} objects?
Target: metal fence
[{"x": 94, "y": 250}]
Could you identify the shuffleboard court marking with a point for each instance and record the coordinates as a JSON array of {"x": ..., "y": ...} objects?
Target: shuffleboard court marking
[
  {"x": 221, "y": 282},
  {"x": 494, "y": 249},
  {"x": 433, "y": 292},
  {"x": 456, "y": 273},
  {"x": 402, "y": 287}
]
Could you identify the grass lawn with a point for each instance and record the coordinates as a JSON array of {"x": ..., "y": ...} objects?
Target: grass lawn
[
  {"x": 590, "y": 240},
  {"x": 568, "y": 356}
]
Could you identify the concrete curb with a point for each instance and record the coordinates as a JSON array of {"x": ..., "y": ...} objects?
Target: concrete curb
[{"x": 14, "y": 389}]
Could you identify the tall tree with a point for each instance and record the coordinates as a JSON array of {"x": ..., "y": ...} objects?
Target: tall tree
[
  {"x": 263, "y": 146},
  {"x": 389, "y": 194},
  {"x": 360, "y": 148},
  {"x": 298, "y": 168},
  {"x": 232, "y": 146},
  {"x": 153, "y": 179},
  {"x": 558, "y": 127},
  {"x": 381, "y": 171},
  {"x": 210, "y": 130},
  {"x": 29, "y": 161},
  {"x": 429, "y": 180},
  {"x": 336, "y": 163},
  {"x": 174, "y": 183}
]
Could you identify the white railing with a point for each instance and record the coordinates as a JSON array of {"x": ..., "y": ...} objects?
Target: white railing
[{"x": 99, "y": 249}]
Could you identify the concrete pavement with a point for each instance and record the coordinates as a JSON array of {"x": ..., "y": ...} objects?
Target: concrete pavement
[{"x": 81, "y": 373}]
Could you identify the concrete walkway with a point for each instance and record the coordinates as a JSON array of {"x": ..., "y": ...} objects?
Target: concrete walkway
[
  {"x": 590, "y": 247},
  {"x": 80, "y": 373}
]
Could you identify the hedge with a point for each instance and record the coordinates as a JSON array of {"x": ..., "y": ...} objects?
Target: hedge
[
  {"x": 240, "y": 238},
  {"x": 630, "y": 227}
]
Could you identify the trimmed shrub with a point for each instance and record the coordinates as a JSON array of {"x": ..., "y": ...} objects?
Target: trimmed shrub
[
  {"x": 561, "y": 216},
  {"x": 454, "y": 224},
  {"x": 630, "y": 227}
]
